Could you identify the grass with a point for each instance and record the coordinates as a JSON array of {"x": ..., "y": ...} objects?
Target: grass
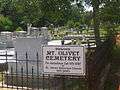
[
  {"x": 61, "y": 32},
  {"x": 1, "y": 77}
]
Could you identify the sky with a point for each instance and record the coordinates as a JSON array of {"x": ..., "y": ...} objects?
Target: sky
[{"x": 88, "y": 8}]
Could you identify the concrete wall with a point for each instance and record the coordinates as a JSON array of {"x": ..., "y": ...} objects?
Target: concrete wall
[{"x": 31, "y": 46}]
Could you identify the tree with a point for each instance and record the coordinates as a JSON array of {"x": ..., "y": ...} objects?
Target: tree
[
  {"x": 40, "y": 12},
  {"x": 28, "y": 11},
  {"x": 104, "y": 11},
  {"x": 56, "y": 12},
  {"x": 110, "y": 13},
  {"x": 96, "y": 19},
  {"x": 88, "y": 19},
  {"x": 21, "y": 11}
]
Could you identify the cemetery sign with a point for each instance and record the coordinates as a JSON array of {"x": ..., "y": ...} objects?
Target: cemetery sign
[{"x": 63, "y": 60}]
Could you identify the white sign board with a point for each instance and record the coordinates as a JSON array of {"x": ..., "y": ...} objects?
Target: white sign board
[{"x": 64, "y": 60}]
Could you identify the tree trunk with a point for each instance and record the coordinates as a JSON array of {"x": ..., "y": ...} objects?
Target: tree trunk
[{"x": 96, "y": 22}]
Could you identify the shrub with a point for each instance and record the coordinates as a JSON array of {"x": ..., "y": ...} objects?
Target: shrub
[{"x": 19, "y": 29}]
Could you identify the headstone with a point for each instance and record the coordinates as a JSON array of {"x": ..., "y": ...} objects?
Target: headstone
[
  {"x": 6, "y": 39},
  {"x": 6, "y": 36},
  {"x": 34, "y": 32},
  {"x": 20, "y": 34},
  {"x": 44, "y": 31}
]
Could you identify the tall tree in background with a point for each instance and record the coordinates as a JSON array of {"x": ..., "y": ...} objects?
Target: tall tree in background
[
  {"x": 56, "y": 12},
  {"x": 21, "y": 11},
  {"x": 110, "y": 14},
  {"x": 28, "y": 11},
  {"x": 76, "y": 19},
  {"x": 41, "y": 12},
  {"x": 37, "y": 11},
  {"x": 88, "y": 19},
  {"x": 96, "y": 19},
  {"x": 105, "y": 11}
]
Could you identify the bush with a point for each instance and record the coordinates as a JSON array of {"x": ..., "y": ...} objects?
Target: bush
[
  {"x": 5, "y": 23},
  {"x": 19, "y": 29}
]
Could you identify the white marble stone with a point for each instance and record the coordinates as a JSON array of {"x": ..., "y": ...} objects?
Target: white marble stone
[{"x": 31, "y": 46}]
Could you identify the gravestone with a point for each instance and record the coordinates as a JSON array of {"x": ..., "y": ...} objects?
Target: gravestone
[
  {"x": 34, "y": 32},
  {"x": 20, "y": 34},
  {"x": 44, "y": 32},
  {"x": 6, "y": 35},
  {"x": 6, "y": 39}
]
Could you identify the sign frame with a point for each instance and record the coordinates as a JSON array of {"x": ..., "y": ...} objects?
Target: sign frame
[{"x": 67, "y": 46}]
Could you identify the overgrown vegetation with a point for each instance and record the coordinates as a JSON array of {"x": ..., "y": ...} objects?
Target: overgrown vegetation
[{"x": 111, "y": 82}]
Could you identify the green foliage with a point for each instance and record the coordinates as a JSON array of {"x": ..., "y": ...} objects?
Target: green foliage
[
  {"x": 116, "y": 51},
  {"x": 55, "y": 11},
  {"x": 28, "y": 11},
  {"x": 118, "y": 28},
  {"x": 58, "y": 12},
  {"x": 41, "y": 12},
  {"x": 19, "y": 29},
  {"x": 70, "y": 24},
  {"x": 5, "y": 23},
  {"x": 73, "y": 24},
  {"x": 111, "y": 12},
  {"x": 77, "y": 25},
  {"x": 88, "y": 18}
]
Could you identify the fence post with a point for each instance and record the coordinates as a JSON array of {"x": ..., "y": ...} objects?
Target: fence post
[
  {"x": 22, "y": 77},
  {"x": 63, "y": 79},
  {"x": 37, "y": 71},
  {"x": 6, "y": 70},
  {"x": 88, "y": 76},
  {"x": 32, "y": 83},
  {"x": 16, "y": 69},
  {"x": 63, "y": 82},
  {"x": 27, "y": 68}
]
